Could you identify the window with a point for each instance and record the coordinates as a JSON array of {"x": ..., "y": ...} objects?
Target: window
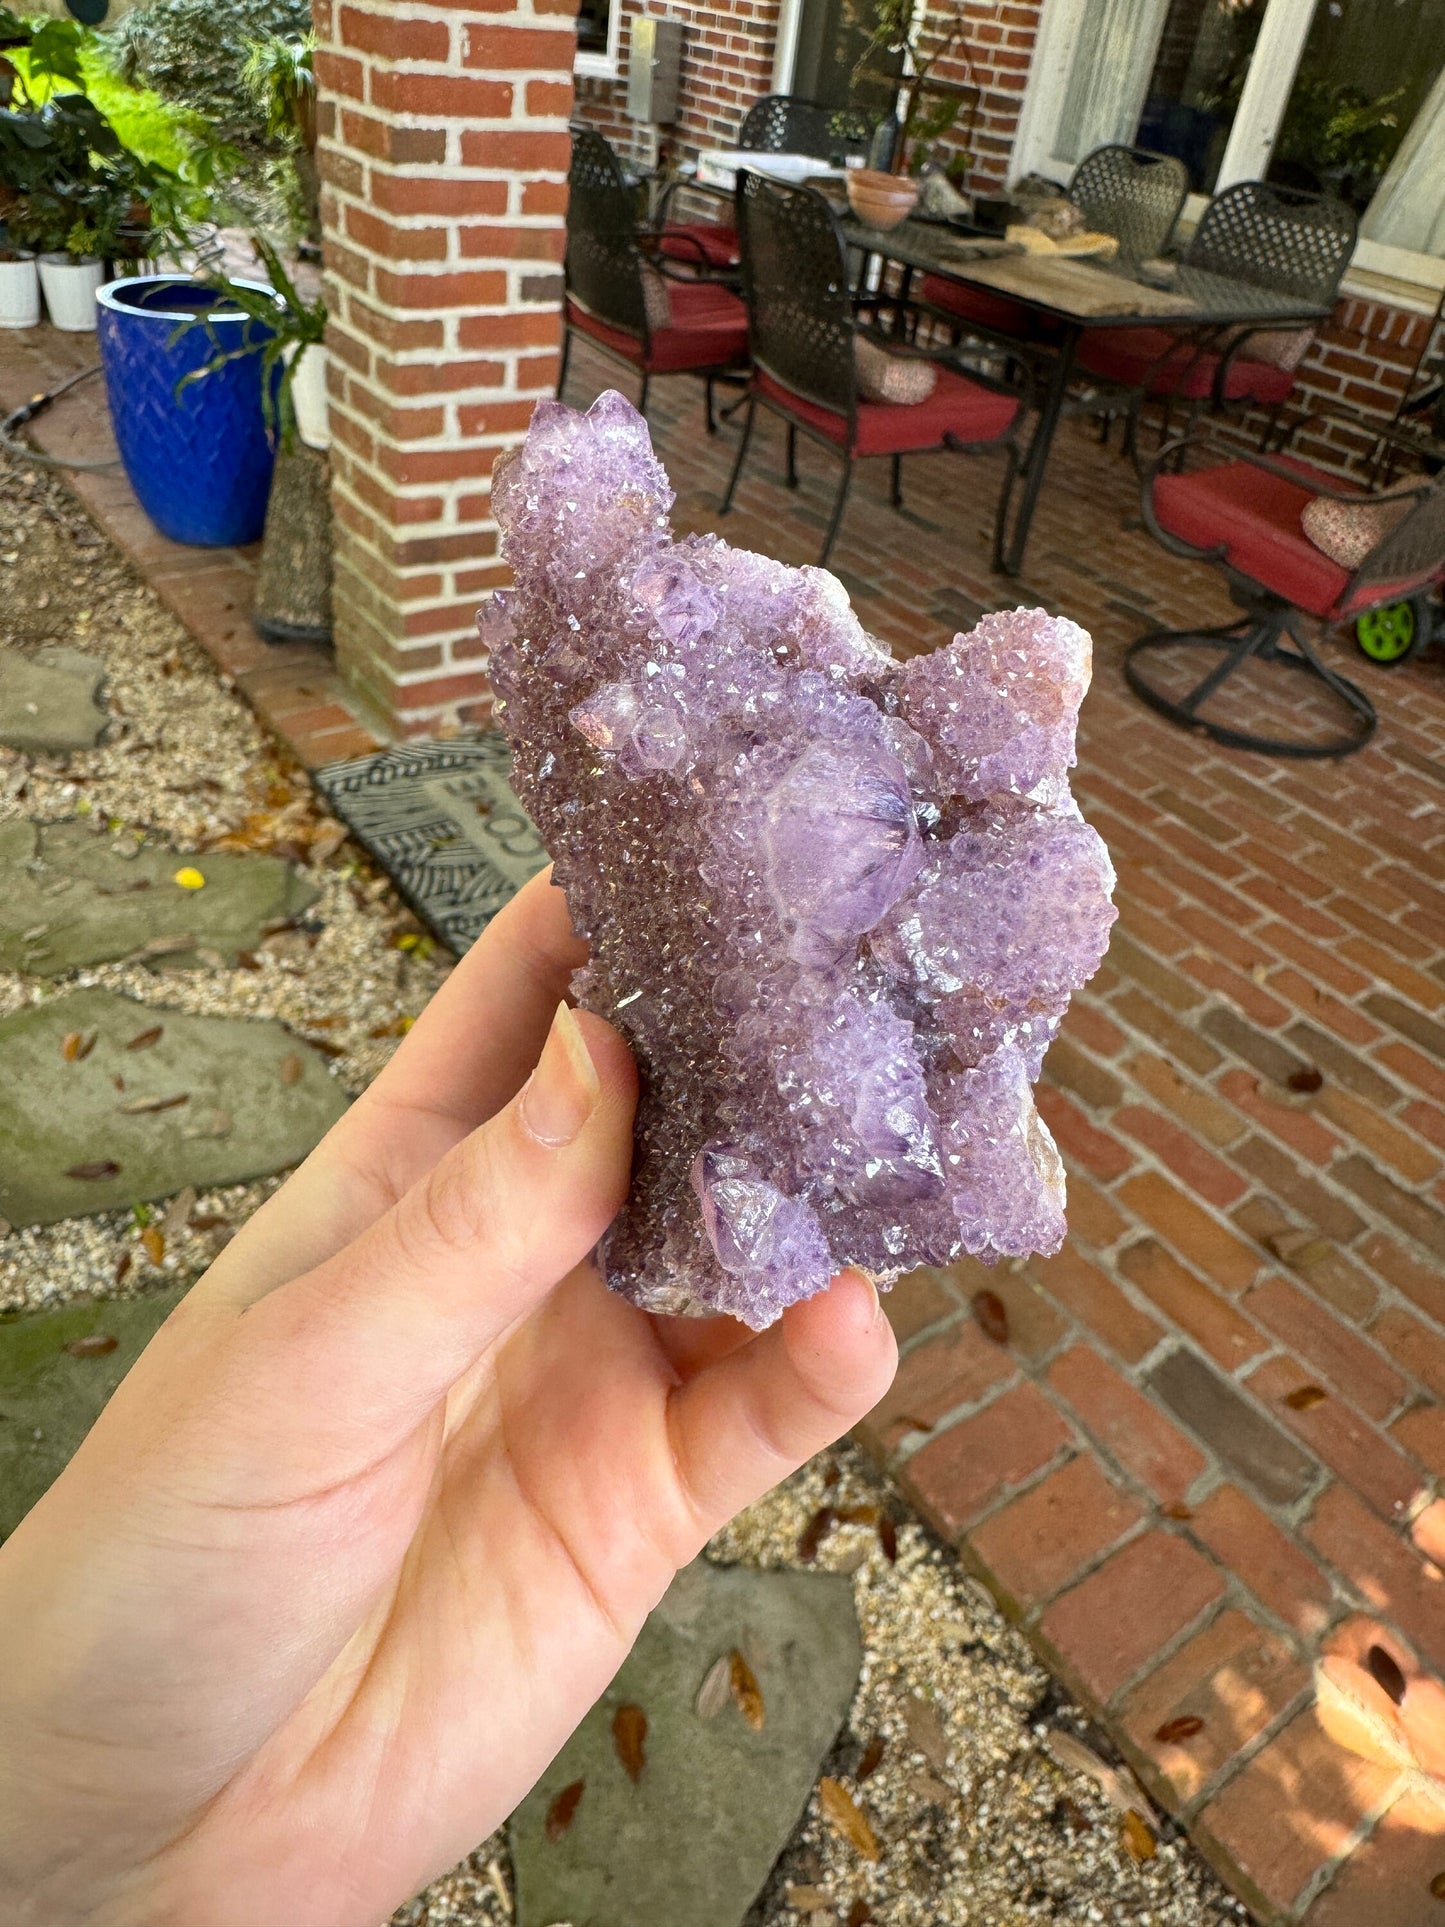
[
  {"x": 1345, "y": 97},
  {"x": 599, "y": 23}
]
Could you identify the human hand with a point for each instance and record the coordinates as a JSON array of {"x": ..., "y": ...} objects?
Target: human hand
[{"x": 380, "y": 1510}]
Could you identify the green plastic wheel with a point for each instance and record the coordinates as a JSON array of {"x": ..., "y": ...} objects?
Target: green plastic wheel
[{"x": 1389, "y": 634}]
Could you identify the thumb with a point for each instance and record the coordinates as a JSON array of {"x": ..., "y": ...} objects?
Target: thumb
[{"x": 371, "y": 1340}]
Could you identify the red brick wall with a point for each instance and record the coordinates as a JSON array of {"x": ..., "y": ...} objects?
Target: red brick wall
[
  {"x": 1362, "y": 360},
  {"x": 444, "y": 154}
]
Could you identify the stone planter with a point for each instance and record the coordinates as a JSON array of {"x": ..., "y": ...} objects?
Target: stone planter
[
  {"x": 19, "y": 293},
  {"x": 293, "y": 590},
  {"x": 70, "y": 288}
]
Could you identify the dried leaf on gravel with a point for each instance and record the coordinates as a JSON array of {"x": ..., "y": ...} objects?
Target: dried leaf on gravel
[
  {"x": 1183, "y": 1727},
  {"x": 992, "y": 1315},
  {"x": 291, "y": 1068},
  {"x": 716, "y": 1689},
  {"x": 76, "y": 1045},
  {"x": 847, "y": 1818},
  {"x": 815, "y": 1532},
  {"x": 925, "y": 1731},
  {"x": 178, "y": 1213},
  {"x": 888, "y": 1539},
  {"x": 1138, "y": 1836},
  {"x": 859, "y": 1914},
  {"x": 859, "y": 1515},
  {"x": 629, "y": 1740},
  {"x": 563, "y": 1810},
  {"x": 93, "y": 1345},
  {"x": 930, "y": 1789},
  {"x": 122, "y": 1267},
  {"x": 142, "y": 1106},
  {"x": 96, "y": 1168},
  {"x": 326, "y": 839},
  {"x": 153, "y": 1240},
  {"x": 1118, "y": 1786},
  {"x": 807, "y": 1899},
  {"x": 1305, "y": 1397},
  {"x": 166, "y": 946},
  {"x": 746, "y": 1691},
  {"x": 143, "y": 1039},
  {"x": 871, "y": 1758}
]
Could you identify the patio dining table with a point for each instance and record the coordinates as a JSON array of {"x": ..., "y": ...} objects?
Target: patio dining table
[{"x": 1077, "y": 294}]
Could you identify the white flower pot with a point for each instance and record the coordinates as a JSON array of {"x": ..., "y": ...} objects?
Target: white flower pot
[
  {"x": 19, "y": 293},
  {"x": 308, "y": 396},
  {"x": 70, "y": 289}
]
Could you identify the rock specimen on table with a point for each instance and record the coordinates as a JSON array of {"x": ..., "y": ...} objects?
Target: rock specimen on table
[{"x": 836, "y": 903}]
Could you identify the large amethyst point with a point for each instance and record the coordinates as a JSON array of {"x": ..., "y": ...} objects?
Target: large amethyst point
[{"x": 836, "y": 904}]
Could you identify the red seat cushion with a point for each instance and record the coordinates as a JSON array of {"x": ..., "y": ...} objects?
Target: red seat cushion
[
  {"x": 982, "y": 305},
  {"x": 1256, "y": 516},
  {"x": 1167, "y": 364},
  {"x": 701, "y": 241},
  {"x": 709, "y": 329},
  {"x": 957, "y": 407}
]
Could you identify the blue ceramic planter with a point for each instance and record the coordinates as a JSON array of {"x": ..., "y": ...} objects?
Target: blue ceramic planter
[{"x": 199, "y": 461}]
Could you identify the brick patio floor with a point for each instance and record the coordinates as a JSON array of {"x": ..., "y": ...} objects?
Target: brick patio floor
[{"x": 1134, "y": 1472}]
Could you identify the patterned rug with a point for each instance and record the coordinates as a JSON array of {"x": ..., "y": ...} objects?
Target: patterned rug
[{"x": 441, "y": 820}]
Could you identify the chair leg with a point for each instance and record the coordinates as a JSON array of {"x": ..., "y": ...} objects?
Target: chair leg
[
  {"x": 740, "y": 458},
  {"x": 642, "y": 398},
  {"x": 1000, "y": 520},
  {"x": 896, "y": 494},
  {"x": 707, "y": 405},
  {"x": 566, "y": 355},
  {"x": 838, "y": 506},
  {"x": 792, "y": 458}
]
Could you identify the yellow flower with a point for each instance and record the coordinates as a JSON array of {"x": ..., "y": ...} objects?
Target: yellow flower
[{"x": 189, "y": 879}]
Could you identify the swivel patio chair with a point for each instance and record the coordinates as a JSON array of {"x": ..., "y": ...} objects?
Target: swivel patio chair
[
  {"x": 803, "y": 333},
  {"x": 1277, "y": 239},
  {"x": 1243, "y": 512},
  {"x": 1129, "y": 192},
  {"x": 624, "y": 302}
]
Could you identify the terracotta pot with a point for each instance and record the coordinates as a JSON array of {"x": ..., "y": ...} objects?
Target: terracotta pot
[{"x": 881, "y": 200}]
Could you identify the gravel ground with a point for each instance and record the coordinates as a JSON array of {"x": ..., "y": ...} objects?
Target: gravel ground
[{"x": 950, "y": 1749}]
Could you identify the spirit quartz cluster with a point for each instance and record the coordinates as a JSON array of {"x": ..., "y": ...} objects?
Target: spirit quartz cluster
[{"x": 836, "y": 903}]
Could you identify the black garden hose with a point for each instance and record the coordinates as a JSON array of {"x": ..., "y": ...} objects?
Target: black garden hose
[{"x": 37, "y": 405}]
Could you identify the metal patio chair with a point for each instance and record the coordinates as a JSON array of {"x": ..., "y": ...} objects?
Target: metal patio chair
[
  {"x": 625, "y": 302},
  {"x": 1241, "y": 511},
  {"x": 802, "y": 331}
]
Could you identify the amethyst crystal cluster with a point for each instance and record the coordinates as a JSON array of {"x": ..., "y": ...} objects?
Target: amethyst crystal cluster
[{"x": 836, "y": 903}]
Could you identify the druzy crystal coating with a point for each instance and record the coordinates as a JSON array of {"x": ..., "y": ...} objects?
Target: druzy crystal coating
[{"x": 836, "y": 904}]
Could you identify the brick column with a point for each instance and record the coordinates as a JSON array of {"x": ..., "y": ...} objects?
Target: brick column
[{"x": 443, "y": 155}]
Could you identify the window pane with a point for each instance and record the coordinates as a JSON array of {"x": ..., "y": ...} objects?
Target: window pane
[
  {"x": 1366, "y": 77},
  {"x": 1202, "y": 57},
  {"x": 592, "y": 19}
]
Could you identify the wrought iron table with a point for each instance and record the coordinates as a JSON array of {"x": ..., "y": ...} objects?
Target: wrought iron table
[{"x": 1077, "y": 294}]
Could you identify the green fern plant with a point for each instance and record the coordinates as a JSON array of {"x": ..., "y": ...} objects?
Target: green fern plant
[{"x": 283, "y": 326}]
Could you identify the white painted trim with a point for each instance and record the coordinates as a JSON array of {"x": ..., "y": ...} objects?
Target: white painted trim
[
  {"x": 1266, "y": 91},
  {"x": 785, "y": 47},
  {"x": 1058, "y": 37},
  {"x": 603, "y": 66}
]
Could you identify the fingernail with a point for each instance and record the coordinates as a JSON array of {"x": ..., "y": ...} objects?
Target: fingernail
[{"x": 559, "y": 1096}]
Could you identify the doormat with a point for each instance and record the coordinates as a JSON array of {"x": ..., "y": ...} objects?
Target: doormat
[{"x": 441, "y": 820}]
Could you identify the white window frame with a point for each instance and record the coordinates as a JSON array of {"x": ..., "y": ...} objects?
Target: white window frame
[
  {"x": 1262, "y": 103},
  {"x": 603, "y": 66}
]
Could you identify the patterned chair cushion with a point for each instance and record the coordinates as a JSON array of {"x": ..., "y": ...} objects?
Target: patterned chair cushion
[
  {"x": 656, "y": 298},
  {"x": 1281, "y": 347},
  {"x": 1347, "y": 531},
  {"x": 906, "y": 379}
]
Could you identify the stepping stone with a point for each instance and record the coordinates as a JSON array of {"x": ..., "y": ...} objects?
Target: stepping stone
[
  {"x": 50, "y": 701},
  {"x": 73, "y": 897},
  {"x": 212, "y": 1100},
  {"x": 442, "y": 821},
  {"x": 693, "y": 1841},
  {"x": 51, "y": 1396}
]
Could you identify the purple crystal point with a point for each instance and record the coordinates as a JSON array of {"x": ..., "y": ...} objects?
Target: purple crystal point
[{"x": 837, "y": 905}]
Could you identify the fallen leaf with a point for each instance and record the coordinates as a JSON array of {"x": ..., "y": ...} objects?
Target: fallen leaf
[
  {"x": 716, "y": 1689},
  {"x": 925, "y": 1731},
  {"x": 1306, "y": 1079},
  {"x": 888, "y": 1539},
  {"x": 815, "y": 1532},
  {"x": 563, "y": 1810},
  {"x": 1384, "y": 1669},
  {"x": 1138, "y": 1836},
  {"x": 1183, "y": 1727},
  {"x": 166, "y": 946},
  {"x": 992, "y": 1316},
  {"x": 1176, "y": 1509},
  {"x": 743, "y": 1682},
  {"x": 872, "y": 1758},
  {"x": 178, "y": 1213},
  {"x": 145, "y": 1038},
  {"x": 97, "y": 1168},
  {"x": 629, "y": 1740},
  {"x": 1305, "y": 1397},
  {"x": 122, "y": 1267},
  {"x": 93, "y": 1345},
  {"x": 832, "y": 1476},
  {"x": 807, "y": 1900},
  {"x": 859, "y": 1515},
  {"x": 859, "y": 1914},
  {"x": 1070, "y": 1814},
  {"x": 247, "y": 960},
  {"x": 153, "y": 1240},
  {"x": 1118, "y": 1786},
  {"x": 208, "y": 1221},
  {"x": 1437, "y": 1886},
  {"x": 291, "y": 1068},
  {"x": 847, "y": 1818},
  {"x": 76, "y": 1045},
  {"x": 326, "y": 839},
  {"x": 142, "y": 1106},
  {"x": 928, "y": 1786}
]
